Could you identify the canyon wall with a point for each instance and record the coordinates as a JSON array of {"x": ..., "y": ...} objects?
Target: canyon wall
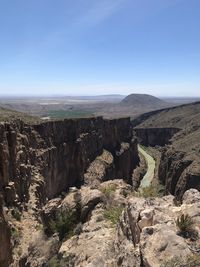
[
  {"x": 155, "y": 136},
  {"x": 56, "y": 154},
  {"x": 5, "y": 239}
]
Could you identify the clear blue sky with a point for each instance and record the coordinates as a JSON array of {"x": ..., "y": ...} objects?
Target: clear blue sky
[{"x": 90, "y": 47}]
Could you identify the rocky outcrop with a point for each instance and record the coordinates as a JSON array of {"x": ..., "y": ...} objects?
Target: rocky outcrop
[
  {"x": 80, "y": 202},
  {"x": 155, "y": 136},
  {"x": 93, "y": 247},
  {"x": 100, "y": 170},
  {"x": 94, "y": 244},
  {"x": 147, "y": 234},
  {"x": 40, "y": 250}
]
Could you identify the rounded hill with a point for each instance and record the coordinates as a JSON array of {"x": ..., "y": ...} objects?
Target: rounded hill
[{"x": 142, "y": 100}]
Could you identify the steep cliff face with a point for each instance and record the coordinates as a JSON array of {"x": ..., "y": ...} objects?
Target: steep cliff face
[
  {"x": 155, "y": 136},
  {"x": 60, "y": 152},
  {"x": 178, "y": 171},
  {"x": 74, "y": 144},
  {"x": 68, "y": 148},
  {"x": 16, "y": 157},
  {"x": 5, "y": 243}
]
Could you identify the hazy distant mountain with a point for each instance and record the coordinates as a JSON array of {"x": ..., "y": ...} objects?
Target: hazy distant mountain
[
  {"x": 142, "y": 100},
  {"x": 112, "y": 97}
]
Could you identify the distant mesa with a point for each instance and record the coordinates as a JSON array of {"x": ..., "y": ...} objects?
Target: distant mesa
[{"x": 142, "y": 100}]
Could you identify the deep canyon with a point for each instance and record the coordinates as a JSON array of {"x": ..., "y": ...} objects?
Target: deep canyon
[{"x": 88, "y": 166}]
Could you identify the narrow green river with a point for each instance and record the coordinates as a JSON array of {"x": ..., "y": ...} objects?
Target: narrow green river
[{"x": 151, "y": 164}]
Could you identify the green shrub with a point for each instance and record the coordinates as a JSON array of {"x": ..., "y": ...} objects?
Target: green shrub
[
  {"x": 156, "y": 190},
  {"x": 174, "y": 262},
  {"x": 109, "y": 190},
  {"x": 16, "y": 214},
  {"x": 112, "y": 214},
  {"x": 125, "y": 193},
  {"x": 193, "y": 261},
  {"x": 16, "y": 235},
  {"x": 185, "y": 225},
  {"x": 55, "y": 262},
  {"x": 63, "y": 224},
  {"x": 39, "y": 227}
]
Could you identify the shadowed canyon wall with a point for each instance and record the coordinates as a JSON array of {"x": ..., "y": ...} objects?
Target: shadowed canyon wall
[
  {"x": 5, "y": 239},
  {"x": 58, "y": 153},
  {"x": 155, "y": 136},
  {"x": 179, "y": 171}
]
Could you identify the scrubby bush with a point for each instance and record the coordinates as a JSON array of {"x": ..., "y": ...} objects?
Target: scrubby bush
[
  {"x": 153, "y": 190},
  {"x": 16, "y": 235},
  {"x": 190, "y": 261},
  {"x": 185, "y": 225},
  {"x": 56, "y": 262},
  {"x": 63, "y": 224},
  {"x": 193, "y": 261},
  {"x": 174, "y": 262},
  {"x": 16, "y": 214},
  {"x": 112, "y": 214},
  {"x": 109, "y": 190},
  {"x": 66, "y": 220},
  {"x": 39, "y": 227},
  {"x": 125, "y": 193}
]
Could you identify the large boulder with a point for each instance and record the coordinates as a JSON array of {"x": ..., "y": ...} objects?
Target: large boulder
[
  {"x": 147, "y": 227},
  {"x": 89, "y": 199},
  {"x": 191, "y": 196},
  {"x": 161, "y": 242}
]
